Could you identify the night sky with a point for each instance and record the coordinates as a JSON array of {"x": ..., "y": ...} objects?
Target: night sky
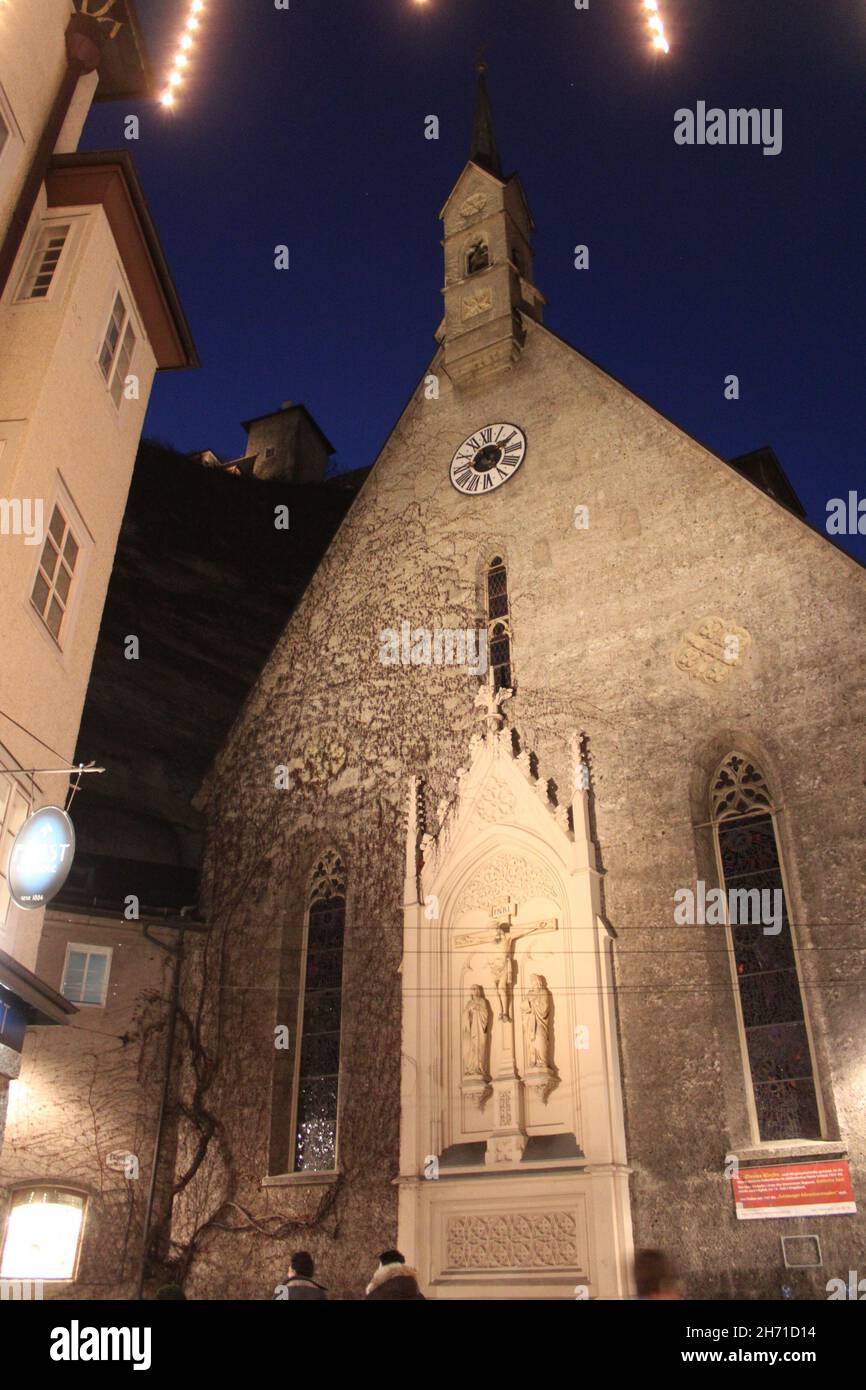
[{"x": 306, "y": 128}]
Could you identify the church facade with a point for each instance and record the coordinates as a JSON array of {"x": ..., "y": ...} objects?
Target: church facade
[{"x": 535, "y": 875}]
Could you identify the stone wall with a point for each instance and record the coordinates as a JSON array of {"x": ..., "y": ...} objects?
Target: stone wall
[
  {"x": 90, "y": 1089},
  {"x": 599, "y": 615}
]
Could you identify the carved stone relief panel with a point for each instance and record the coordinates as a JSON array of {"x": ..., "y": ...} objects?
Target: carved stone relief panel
[
  {"x": 713, "y": 650},
  {"x": 496, "y": 802},
  {"x": 473, "y": 205},
  {"x": 513, "y": 1240},
  {"x": 475, "y": 304},
  {"x": 507, "y": 874}
]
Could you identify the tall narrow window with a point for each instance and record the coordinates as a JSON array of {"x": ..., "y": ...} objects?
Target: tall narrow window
[
  {"x": 498, "y": 624},
  {"x": 118, "y": 345},
  {"x": 52, "y": 588},
  {"x": 778, "y": 1052},
  {"x": 318, "y": 1076},
  {"x": 43, "y": 263}
]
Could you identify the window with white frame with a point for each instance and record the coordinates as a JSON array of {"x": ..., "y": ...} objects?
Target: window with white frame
[
  {"x": 55, "y": 577},
  {"x": 44, "y": 260},
  {"x": 43, "y": 1234},
  {"x": 85, "y": 974},
  {"x": 14, "y": 809},
  {"x": 118, "y": 346}
]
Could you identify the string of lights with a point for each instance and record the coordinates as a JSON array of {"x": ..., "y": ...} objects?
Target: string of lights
[
  {"x": 184, "y": 52},
  {"x": 656, "y": 26}
]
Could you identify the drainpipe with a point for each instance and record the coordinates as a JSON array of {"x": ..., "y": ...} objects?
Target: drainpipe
[
  {"x": 85, "y": 38},
  {"x": 177, "y": 952}
]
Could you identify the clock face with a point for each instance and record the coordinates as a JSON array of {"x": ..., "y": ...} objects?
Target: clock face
[{"x": 487, "y": 459}]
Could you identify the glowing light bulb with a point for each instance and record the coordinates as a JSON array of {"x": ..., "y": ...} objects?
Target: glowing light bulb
[
  {"x": 656, "y": 27},
  {"x": 189, "y": 35}
]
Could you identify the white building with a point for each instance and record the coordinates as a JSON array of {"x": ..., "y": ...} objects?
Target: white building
[{"x": 88, "y": 315}]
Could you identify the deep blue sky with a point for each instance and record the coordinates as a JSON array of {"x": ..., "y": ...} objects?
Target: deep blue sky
[{"x": 306, "y": 127}]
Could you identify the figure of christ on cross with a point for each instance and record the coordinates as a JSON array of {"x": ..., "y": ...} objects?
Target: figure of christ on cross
[{"x": 503, "y": 936}]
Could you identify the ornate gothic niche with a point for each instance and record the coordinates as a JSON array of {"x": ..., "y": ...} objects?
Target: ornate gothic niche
[{"x": 713, "y": 650}]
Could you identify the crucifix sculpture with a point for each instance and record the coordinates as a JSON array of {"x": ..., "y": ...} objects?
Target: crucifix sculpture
[{"x": 503, "y": 935}]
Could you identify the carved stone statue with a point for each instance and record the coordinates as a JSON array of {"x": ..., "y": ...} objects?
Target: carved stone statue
[
  {"x": 503, "y": 937},
  {"x": 536, "y": 1023},
  {"x": 476, "y": 1031}
]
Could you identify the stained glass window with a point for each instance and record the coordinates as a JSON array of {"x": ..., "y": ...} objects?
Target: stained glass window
[
  {"x": 771, "y": 999},
  {"x": 315, "y": 1139},
  {"x": 498, "y": 624}
]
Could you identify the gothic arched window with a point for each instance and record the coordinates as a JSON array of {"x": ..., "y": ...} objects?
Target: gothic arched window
[
  {"x": 477, "y": 258},
  {"x": 777, "y": 1052},
  {"x": 319, "y": 1014},
  {"x": 498, "y": 624}
]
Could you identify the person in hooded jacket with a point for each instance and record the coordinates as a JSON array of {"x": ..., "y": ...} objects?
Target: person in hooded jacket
[
  {"x": 394, "y": 1279},
  {"x": 302, "y": 1287}
]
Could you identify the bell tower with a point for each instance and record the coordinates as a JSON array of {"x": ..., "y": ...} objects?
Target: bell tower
[{"x": 489, "y": 285}]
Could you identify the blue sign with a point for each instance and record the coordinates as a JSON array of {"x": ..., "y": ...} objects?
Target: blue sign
[
  {"x": 41, "y": 858},
  {"x": 13, "y": 1021}
]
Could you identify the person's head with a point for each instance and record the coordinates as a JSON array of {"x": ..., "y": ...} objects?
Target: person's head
[
  {"x": 391, "y": 1257},
  {"x": 302, "y": 1264},
  {"x": 655, "y": 1275}
]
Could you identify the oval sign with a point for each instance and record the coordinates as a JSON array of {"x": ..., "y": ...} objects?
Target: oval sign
[{"x": 41, "y": 858}]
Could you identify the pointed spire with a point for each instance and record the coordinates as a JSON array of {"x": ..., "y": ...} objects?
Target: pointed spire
[{"x": 484, "y": 150}]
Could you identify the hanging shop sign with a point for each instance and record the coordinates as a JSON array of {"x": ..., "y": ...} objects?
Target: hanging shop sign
[
  {"x": 41, "y": 858},
  {"x": 794, "y": 1189}
]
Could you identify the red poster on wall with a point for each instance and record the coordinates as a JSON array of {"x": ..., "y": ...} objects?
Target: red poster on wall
[{"x": 794, "y": 1189}]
